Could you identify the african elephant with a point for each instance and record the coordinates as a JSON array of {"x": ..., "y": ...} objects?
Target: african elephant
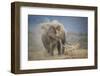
[{"x": 54, "y": 37}]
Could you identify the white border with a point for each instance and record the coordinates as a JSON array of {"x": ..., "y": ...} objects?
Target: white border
[{"x": 25, "y": 64}]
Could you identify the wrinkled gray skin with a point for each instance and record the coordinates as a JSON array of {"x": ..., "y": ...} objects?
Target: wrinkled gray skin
[{"x": 52, "y": 39}]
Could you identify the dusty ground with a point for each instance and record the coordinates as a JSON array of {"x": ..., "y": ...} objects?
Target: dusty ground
[{"x": 71, "y": 52}]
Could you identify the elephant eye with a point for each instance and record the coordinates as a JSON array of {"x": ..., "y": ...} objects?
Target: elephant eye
[{"x": 58, "y": 28}]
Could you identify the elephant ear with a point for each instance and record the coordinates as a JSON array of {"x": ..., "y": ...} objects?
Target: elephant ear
[{"x": 45, "y": 26}]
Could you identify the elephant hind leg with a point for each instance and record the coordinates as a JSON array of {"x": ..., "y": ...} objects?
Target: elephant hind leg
[{"x": 63, "y": 50}]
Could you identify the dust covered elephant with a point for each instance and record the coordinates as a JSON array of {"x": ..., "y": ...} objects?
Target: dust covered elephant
[{"x": 54, "y": 37}]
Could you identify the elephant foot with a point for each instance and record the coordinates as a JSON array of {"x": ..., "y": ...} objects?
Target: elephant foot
[{"x": 59, "y": 54}]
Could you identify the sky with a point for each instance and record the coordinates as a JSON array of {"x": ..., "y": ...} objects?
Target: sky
[{"x": 71, "y": 23}]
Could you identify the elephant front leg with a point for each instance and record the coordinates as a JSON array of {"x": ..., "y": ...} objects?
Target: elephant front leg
[
  {"x": 59, "y": 47},
  {"x": 51, "y": 50}
]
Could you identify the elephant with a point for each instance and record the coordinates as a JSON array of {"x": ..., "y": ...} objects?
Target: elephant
[{"x": 54, "y": 37}]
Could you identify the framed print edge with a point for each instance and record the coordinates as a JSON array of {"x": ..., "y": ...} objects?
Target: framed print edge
[
  {"x": 96, "y": 37},
  {"x": 15, "y": 37}
]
